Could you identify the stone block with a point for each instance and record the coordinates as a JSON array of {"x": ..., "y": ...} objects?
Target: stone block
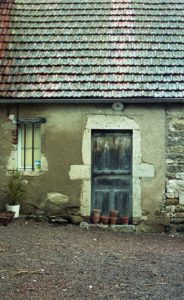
[
  {"x": 170, "y": 195},
  {"x": 180, "y": 228},
  {"x": 181, "y": 197},
  {"x": 85, "y": 225},
  {"x": 180, "y": 185},
  {"x": 170, "y": 215},
  {"x": 101, "y": 226},
  {"x": 57, "y": 220},
  {"x": 162, "y": 219},
  {"x": 37, "y": 218},
  {"x": 73, "y": 211},
  {"x": 136, "y": 221},
  {"x": 56, "y": 204},
  {"x": 178, "y": 124},
  {"x": 76, "y": 220},
  {"x": 144, "y": 170},
  {"x": 170, "y": 209},
  {"x": 172, "y": 228},
  {"x": 144, "y": 218},
  {"x": 80, "y": 172},
  {"x": 172, "y": 184},
  {"x": 172, "y": 188},
  {"x": 57, "y": 198},
  {"x": 179, "y": 208},
  {"x": 180, "y": 176},
  {"x": 171, "y": 201},
  {"x": 179, "y": 215},
  {"x": 177, "y": 221},
  {"x": 170, "y": 161}
]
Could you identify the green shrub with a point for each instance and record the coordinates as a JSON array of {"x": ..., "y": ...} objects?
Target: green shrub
[{"x": 16, "y": 188}]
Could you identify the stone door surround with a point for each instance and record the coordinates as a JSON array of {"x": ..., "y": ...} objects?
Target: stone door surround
[{"x": 83, "y": 172}]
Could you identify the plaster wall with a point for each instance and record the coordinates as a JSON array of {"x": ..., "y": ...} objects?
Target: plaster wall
[
  {"x": 62, "y": 147},
  {"x": 5, "y": 150}
]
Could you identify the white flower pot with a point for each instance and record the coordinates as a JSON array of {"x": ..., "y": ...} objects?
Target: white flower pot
[{"x": 15, "y": 208}]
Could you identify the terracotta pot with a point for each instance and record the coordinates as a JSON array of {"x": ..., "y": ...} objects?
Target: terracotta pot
[
  {"x": 113, "y": 220},
  {"x": 114, "y": 213},
  {"x": 95, "y": 219},
  {"x": 125, "y": 220},
  {"x": 96, "y": 212},
  {"x": 6, "y": 217},
  {"x": 104, "y": 220}
]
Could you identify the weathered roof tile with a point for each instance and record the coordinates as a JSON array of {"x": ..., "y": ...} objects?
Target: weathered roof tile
[{"x": 107, "y": 48}]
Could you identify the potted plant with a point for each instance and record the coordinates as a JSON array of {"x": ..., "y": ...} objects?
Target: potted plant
[
  {"x": 114, "y": 213},
  {"x": 104, "y": 219},
  {"x": 113, "y": 220},
  {"x": 96, "y": 215},
  {"x": 15, "y": 190},
  {"x": 125, "y": 220}
]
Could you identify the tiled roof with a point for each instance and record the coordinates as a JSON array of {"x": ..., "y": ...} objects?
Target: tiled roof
[{"x": 92, "y": 49}]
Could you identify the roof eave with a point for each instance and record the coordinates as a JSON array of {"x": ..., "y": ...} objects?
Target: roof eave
[{"x": 91, "y": 100}]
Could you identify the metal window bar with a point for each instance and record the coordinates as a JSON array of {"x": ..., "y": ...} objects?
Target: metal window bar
[
  {"x": 24, "y": 146},
  {"x": 32, "y": 147}
]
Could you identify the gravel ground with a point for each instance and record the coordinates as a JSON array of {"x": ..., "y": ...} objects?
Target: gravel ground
[{"x": 44, "y": 261}]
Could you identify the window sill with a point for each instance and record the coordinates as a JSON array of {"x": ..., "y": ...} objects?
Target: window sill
[{"x": 31, "y": 173}]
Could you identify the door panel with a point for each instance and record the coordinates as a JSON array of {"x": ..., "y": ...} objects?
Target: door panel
[
  {"x": 111, "y": 171},
  {"x": 111, "y": 153}
]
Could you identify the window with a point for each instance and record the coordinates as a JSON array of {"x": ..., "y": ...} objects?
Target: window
[{"x": 29, "y": 147}]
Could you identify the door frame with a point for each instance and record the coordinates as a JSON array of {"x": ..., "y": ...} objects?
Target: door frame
[{"x": 139, "y": 169}]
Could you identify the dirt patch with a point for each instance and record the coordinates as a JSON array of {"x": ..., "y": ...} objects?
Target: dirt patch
[{"x": 45, "y": 261}]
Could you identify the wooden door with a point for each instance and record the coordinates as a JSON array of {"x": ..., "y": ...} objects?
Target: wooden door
[{"x": 112, "y": 171}]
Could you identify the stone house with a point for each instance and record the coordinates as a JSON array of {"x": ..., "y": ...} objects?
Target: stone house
[{"x": 91, "y": 106}]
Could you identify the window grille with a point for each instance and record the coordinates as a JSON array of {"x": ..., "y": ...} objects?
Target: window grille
[
  {"x": 29, "y": 146},
  {"x": 29, "y": 143}
]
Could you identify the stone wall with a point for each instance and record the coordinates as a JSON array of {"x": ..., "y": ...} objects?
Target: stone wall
[{"x": 175, "y": 167}]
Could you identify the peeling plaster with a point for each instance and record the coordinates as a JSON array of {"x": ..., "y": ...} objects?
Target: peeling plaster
[
  {"x": 12, "y": 164},
  {"x": 12, "y": 161},
  {"x": 44, "y": 163}
]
